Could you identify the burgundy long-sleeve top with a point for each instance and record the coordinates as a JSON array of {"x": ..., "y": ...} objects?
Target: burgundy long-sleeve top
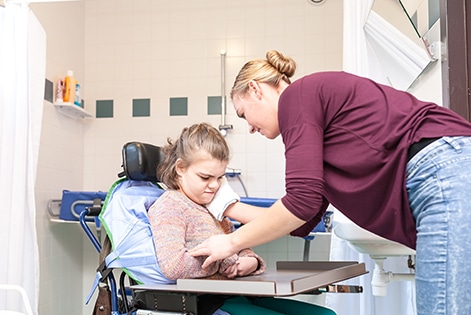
[{"x": 346, "y": 140}]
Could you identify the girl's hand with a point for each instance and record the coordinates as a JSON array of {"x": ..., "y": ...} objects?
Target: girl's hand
[
  {"x": 246, "y": 265},
  {"x": 243, "y": 267},
  {"x": 231, "y": 271}
]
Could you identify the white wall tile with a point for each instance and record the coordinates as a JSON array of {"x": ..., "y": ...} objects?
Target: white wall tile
[{"x": 122, "y": 50}]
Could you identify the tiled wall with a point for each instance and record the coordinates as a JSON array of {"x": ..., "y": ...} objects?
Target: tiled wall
[
  {"x": 168, "y": 52},
  {"x": 148, "y": 68},
  {"x": 60, "y": 165},
  {"x": 178, "y": 106}
]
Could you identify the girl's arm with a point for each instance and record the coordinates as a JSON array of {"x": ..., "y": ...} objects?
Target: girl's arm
[{"x": 169, "y": 233}]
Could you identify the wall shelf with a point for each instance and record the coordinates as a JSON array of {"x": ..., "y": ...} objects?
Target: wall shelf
[{"x": 72, "y": 110}]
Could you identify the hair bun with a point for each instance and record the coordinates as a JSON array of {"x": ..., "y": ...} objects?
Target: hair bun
[{"x": 284, "y": 65}]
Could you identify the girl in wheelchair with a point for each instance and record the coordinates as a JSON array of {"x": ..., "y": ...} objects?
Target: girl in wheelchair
[{"x": 193, "y": 170}]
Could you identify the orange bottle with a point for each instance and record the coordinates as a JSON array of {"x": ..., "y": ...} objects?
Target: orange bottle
[{"x": 69, "y": 87}]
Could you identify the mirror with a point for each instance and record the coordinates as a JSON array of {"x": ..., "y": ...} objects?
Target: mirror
[
  {"x": 422, "y": 14},
  {"x": 395, "y": 50},
  {"x": 394, "y": 12},
  {"x": 418, "y": 20}
]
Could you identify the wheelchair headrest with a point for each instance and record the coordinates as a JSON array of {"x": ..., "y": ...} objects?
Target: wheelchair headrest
[{"x": 140, "y": 161}]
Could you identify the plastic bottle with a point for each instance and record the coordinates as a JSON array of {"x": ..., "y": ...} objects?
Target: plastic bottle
[
  {"x": 77, "y": 99},
  {"x": 60, "y": 91},
  {"x": 69, "y": 87}
]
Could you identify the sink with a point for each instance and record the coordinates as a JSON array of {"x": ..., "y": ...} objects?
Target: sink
[
  {"x": 367, "y": 242},
  {"x": 377, "y": 247}
]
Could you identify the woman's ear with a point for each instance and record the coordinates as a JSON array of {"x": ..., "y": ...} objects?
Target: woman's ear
[{"x": 255, "y": 88}]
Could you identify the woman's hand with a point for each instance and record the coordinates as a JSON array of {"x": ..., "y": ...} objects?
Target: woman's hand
[{"x": 217, "y": 247}]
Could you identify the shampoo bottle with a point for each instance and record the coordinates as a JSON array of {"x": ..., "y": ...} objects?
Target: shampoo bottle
[
  {"x": 77, "y": 99},
  {"x": 69, "y": 87}
]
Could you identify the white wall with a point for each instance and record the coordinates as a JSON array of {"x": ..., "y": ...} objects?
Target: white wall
[
  {"x": 145, "y": 49},
  {"x": 159, "y": 49},
  {"x": 60, "y": 165},
  {"x": 428, "y": 86}
]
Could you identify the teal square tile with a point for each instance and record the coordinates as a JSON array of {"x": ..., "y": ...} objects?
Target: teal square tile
[
  {"x": 104, "y": 109},
  {"x": 178, "y": 106},
  {"x": 141, "y": 107},
  {"x": 214, "y": 105},
  {"x": 49, "y": 91}
]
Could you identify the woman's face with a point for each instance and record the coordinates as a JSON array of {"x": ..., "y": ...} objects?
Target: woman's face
[
  {"x": 201, "y": 179},
  {"x": 259, "y": 107}
]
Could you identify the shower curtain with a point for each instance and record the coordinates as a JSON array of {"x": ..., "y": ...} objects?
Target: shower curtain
[
  {"x": 375, "y": 49},
  {"x": 22, "y": 80}
]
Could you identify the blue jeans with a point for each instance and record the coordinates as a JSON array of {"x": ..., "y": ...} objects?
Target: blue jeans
[{"x": 438, "y": 184}]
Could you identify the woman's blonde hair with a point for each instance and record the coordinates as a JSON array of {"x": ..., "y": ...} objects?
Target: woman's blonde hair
[
  {"x": 275, "y": 68},
  {"x": 192, "y": 141}
]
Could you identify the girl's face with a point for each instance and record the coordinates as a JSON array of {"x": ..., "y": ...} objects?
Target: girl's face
[
  {"x": 259, "y": 107},
  {"x": 201, "y": 179}
]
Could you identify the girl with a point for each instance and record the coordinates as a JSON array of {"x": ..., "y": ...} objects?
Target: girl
[{"x": 193, "y": 170}]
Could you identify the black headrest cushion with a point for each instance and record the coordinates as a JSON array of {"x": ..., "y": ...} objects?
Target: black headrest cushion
[{"x": 140, "y": 161}]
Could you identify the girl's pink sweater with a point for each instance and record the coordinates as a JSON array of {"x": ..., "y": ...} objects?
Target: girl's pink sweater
[{"x": 178, "y": 224}]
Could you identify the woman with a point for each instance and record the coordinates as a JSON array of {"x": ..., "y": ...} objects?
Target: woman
[
  {"x": 395, "y": 165},
  {"x": 193, "y": 170}
]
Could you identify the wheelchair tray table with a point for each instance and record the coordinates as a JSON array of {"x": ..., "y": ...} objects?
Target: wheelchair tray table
[{"x": 289, "y": 278}]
